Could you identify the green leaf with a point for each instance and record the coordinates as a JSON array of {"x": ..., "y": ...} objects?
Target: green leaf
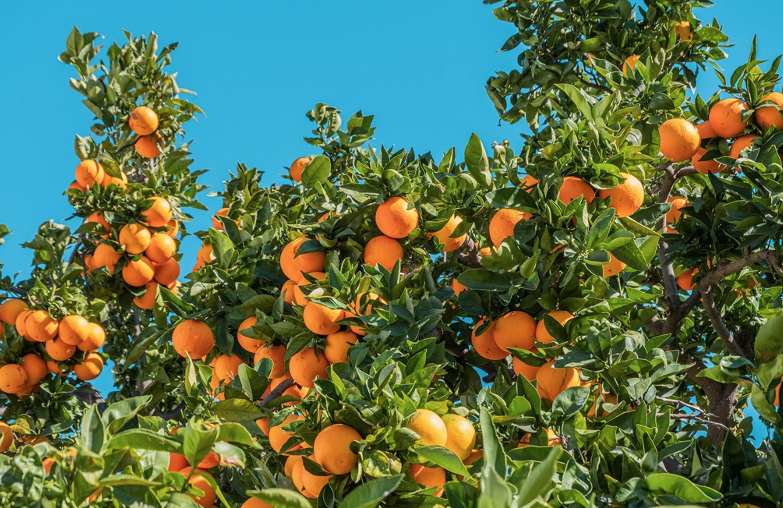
[
  {"x": 143, "y": 439},
  {"x": 264, "y": 303},
  {"x": 237, "y": 410},
  {"x": 494, "y": 456},
  {"x": 443, "y": 457},
  {"x": 510, "y": 197},
  {"x": 197, "y": 441},
  {"x": 120, "y": 413},
  {"x": 539, "y": 481},
  {"x": 318, "y": 170},
  {"x": 235, "y": 433},
  {"x": 281, "y": 498},
  {"x": 92, "y": 429},
  {"x": 684, "y": 489},
  {"x": 477, "y": 162},
  {"x": 769, "y": 340},
  {"x": 484, "y": 280},
  {"x": 570, "y": 402},
  {"x": 579, "y": 98},
  {"x": 372, "y": 493},
  {"x": 634, "y": 227}
]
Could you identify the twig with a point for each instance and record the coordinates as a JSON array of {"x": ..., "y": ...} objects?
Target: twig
[
  {"x": 678, "y": 403},
  {"x": 595, "y": 86},
  {"x": 277, "y": 392},
  {"x": 717, "y": 322},
  {"x": 696, "y": 419},
  {"x": 168, "y": 415},
  {"x": 16, "y": 290}
]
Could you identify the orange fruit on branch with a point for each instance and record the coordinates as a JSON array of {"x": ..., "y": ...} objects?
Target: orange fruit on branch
[
  {"x": 98, "y": 218},
  {"x": 135, "y": 238},
  {"x": 460, "y": 435},
  {"x": 627, "y": 197},
  {"x": 542, "y": 335},
  {"x": 74, "y": 329},
  {"x": 58, "y": 350},
  {"x": 443, "y": 235},
  {"x": 105, "y": 255},
  {"x": 769, "y": 116},
  {"x": 95, "y": 338},
  {"x": 613, "y": 267},
  {"x": 337, "y": 345},
  {"x": 147, "y": 146},
  {"x": 248, "y": 343},
  {"x": 35, "y": 368},
  {"x": 726, "y": 118},
  {"x": 503, "y": 223},
  {"x": 10, "y": 310},
  {"x": 297, "y": 167},
  {"x": 90, "y": 368},
  {"x": 294, "y": 265},
  {"x": 332, "y": 449},
  {"x": 143, "y": 121},
  {"x": 394, "y": 219},
  {"x": 88, "y": 173},
  {"x": 274, "y": 353},
  {"x": 515, "y": 329},
  {"x": 384, "y": 251},
  {"x": 138, "y": 273},
  {"x": 307, "y": 365},
  {"x": 12, "y": 378},
  {"x": 573, "y": 187},
  {"x": 740, "y": 144},
  {"x": 193, "y": 337},
  {"x": 484, "y": 344},
  {"x": 159, "y": 213},
  {"x": 679, "y": 139},
  {"x": 429, "y": 477},
  {"x": 429, "y": 426},
  {"x": 523, "y": 369},
  {"x": 553, "y": 381},
  {"x": 320, "y": 319}
]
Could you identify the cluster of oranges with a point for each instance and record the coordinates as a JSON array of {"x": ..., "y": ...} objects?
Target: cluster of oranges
[
  {"x": 60, "y": 339},
  {"x": 144, "y": 122}
]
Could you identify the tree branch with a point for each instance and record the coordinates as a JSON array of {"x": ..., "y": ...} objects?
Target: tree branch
[
  {"x": 277, "y": 392},
  {"x": 469, "y": 253},
  {"x": 595, "y": 86},
  {"x": 168, "y": 415},
  {"x": 717, "y": 322},
  {"x": 696, "y": 419}
]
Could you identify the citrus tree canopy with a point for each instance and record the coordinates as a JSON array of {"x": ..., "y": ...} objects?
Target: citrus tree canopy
[{"x": 580, "y": 319}]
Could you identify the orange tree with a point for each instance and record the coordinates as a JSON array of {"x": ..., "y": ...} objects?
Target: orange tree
[{"x": 582, "y": 321}]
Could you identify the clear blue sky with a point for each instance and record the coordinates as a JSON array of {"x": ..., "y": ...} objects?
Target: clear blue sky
[{"x": 418, "y": 66}]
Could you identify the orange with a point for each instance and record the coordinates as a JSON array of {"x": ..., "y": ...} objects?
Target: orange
[
  {"x": 627, "y": 197},
  {"x": 97, "y": 217},
  {"x": 95, "y": 338},
  {"x": 204, "y": 254},
  {"x": 288, "y": 289},
  {"x": 294, "y": 391},
  {"x": 609, "y": 398},
  {"x": 574, "y": 187},
  {"x": 740, "y": 144},
  {"x": 332, "y": 449},
  {"x": 705, "y": 131},
  {"x": 198, "y": 480},
  {"x": 2, "y": 330},
  {"x": 88, "y": 173},
  {"x": 293, "y": 266},
  {"x": 485, "y": 344},
  {"x": 485, "y": 251},
  {"x": 460, "y": 435},
  {"x": 147, "y": 301},
  {"x": 369, "y": 300},
  {"x": 522, "y": 369},
  {"x": 528, "y": 182},
  {"x": 705, "y": 166},
  {"x": 306, "y": 365},
  {"x": 675, "y": 212},
  {"x": 173, "y": 228},
  {"x": 74, "y": 329},
  {"x": 394, "y": 219},
  {"x": 105, "y": 255},
  {"x": 148, "y": 146},
  {"x": 21, "y": 324},
  {"x": 542, "y": 335},
  {"x": 685, "y": 279},
  {"x": 613, "y": 267},
  {"x": 630, "y": 64},
  {"x": 337, "y": 344},
  {"x": 138, "y": 273},
  {"x": 161, "y": 248},
  {"x": 503, "y": 223},
  {"x": 12, "y": 378},
  {"x": 54, "y": 368},
  {"x": 227, "y": 367},
  {"x": 90, "y": 368},
  {"x": 10, "y": 310},
  {"x": 290, "y": 463},
  {"x": 297, "y": 167},
  {"x": 274, "y": 353},
  {"x": 457, "y": 287},
  {"x": 443, "y": 235},
  {"x": 279, "y": 437},
  {"x": 58, "y": 350},
  {"x": 166, "y": 273},
  {"x": 216, "y": 224},
  {"x": 515, "y": 329},
  {"x": 6, "y": 437},
  {"x": 263, "y": 424},
  {"x": 248, "y": 343},
  {"x": 429, "y": 477},
  {"x": 143, "y": 121},
  {"x": 321, "y": 320},
  {"x": 77, "y": 185},
  {"x": 429, "y": 427},
  {"x": 313, "y": 484},
  {"x": 177, "y": 462},
  {"x": 553, "y": 381},
  {"x": 41, "y": 326},
  {"x": 682, "y": 29},
  {"x": 193, "y": 337},
  {"x": 120, "y": 181},
  {"x": 299, "y": 297},
  {"x": 769, "y": 116},
  {"x": 474, "y": 456},
  {"x": 384, "y": 251},
  {"x": 296, "y": 477},
  {"x": 726, "y": 119},
  {"x": 255, "y": 503},
  {"x": 552, "y": 439},
  {"x": 159, "y": 213},
  {"x": 679, "y": 139}
]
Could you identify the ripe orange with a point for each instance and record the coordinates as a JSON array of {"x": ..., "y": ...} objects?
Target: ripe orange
[
  {"x": 740, "y": 144},
  {"x": 460, "y": 435},
  {"x": 10, "y": 310},
  {"x": 279, "y": 437},
  {"x": 630, "y": 64},
  {"x": 627, "y": 197},
  {"x": 161, "y": 248},
  {"x": 12, "y": 378},
  {"x": 768, "y": 116},
  {"x": 705, "y": 166},
  {"x": 227, "y": 367},
  {"x": 725, "y": 118},
  {"x": 370, "y": 301},
  {"x": 574, "y": 187},
  {"x": 159, "y": 213},
  {"x": 88, "y": 173},
  {"x": 54, "y": 368},
  {"x": 515, "y": 329},
  {"x": 274, "y": 353},
  {"x": 135, "y": 238},
  {"x": 384, "y": 251},
  {"x": 20, "y": 324},
  {"x": 248, "y": 343},
  {"x": 120, "y": 181},
  {"x": 675, "y": 212},
  {"x": 166, "y": 273},
  {"x": 297, "y": 167},
  {"x": 263, "y": 424},
  {"x": 553, "y": 381},
  {"x": 321, "y": 320},
  {"x": 255, "y": 503},
  {"x": 528, "y": 182},
  {"x": 552, "y": 439},
  {"x": 685, "y": 279},
  {"x": 443, "y": 235},
  {"x": 542, "y": 335},
  {"x": 95, "y": 338},
  {"x": 705, "y": 131},
  {"x": 138, "y": 273},
  {"x": 457, "y": 287},
  {"x": 193, "y": 337},
  {"x": 148, "y": 146},
  {"x": 216, "y": 224},
  {"x": 394, "y": 219},
  {"x": 429, "y": 477},
  {"x": 90, "y": 368},
  {"x": 41, "y": 326},
  {"x": 147, "y": 301},
  {"x": 77, "y": 185},
  {"x": 204, "y": 254},
  {"x": 58, "y": 350},
  {"x": 296, "y": 391},
  {"x": 293, "y": 266},
  {"x": 97, "y": 217},
  {"x": 679, "y": 139},
  {"x": 613, "y": 267},
  {"x": 306, "y": 365},
  {"x": 73, "y": 329},
  {"x": 313, "y": 484},
  {"x": 299, "y": 297},
  {"x": 6, "y": 437},
  {"x": 296, "y": 477},
  {"x": 522, "y": 369},
  {"x": 429, "y": 427},
  {"x": 287, "y": 290},
  {"x": 105, "y": 255},
  {"x": 173, "y": 228},
  {"x": 332, "y": 449},
  {"x": 609, "y": 398},
  {"x": 337, "y": 344},
  {"x": 485, "y": 344},
  {"x": 198, "y": 480},
  {"x": 503, "y": 223},
  {"x": 177, "y": 462},
  {"x": 143, "y": 121}
]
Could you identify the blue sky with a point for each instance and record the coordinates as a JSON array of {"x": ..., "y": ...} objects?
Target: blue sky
[{"x": 419, "y": 67}]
